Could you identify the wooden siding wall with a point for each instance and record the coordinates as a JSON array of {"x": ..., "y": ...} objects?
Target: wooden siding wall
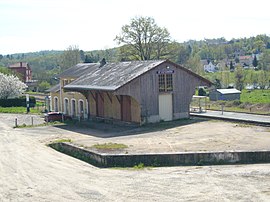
[
  {"x": 145, "y": 90},
  {"x": 112, "y": 107},
  {"x": 92, "y": 104},
  {"x": 135, "y": 111}
]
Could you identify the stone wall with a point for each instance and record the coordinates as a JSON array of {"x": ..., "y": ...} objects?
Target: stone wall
[{"x": 167, "y": 159}]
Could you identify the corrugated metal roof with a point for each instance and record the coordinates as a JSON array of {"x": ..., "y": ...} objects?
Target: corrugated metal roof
[
  {"x": 112, "y": 75},
  {"x": 54, "y": 89},
  {"x": 79, "y": 70},
  {"x": 228, "y": 91}
]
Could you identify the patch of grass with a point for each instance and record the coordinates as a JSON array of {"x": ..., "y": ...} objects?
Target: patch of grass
[
  {"x": 139, "y": 166},
  {"x": 110, "y": 146},
  {"x": 38, "y": 125},
  {"x": 255, "y": 96},
  {"x": 18, "y": 110},
  {"x": 62, "y": 140},
  {"x": 242, "y": 125}
]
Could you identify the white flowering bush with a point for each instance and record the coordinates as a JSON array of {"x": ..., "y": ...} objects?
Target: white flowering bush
[{"x": 10, "y": 86}]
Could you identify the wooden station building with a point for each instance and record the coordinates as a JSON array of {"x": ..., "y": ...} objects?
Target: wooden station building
[{"x": 133, "y": 91}]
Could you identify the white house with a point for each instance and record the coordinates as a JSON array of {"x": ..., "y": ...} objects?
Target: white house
[{"x": 210, "y": 67}]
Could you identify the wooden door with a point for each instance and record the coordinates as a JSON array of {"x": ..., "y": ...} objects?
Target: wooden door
[
  {"x": 165, "y": 107},
  {"x": 125, "y": 108}
]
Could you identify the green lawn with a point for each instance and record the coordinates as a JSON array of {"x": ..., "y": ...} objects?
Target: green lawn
[
  {"x": 251, "y": 101},
  {"x": 255, "y": 96},
  {"x": 18, "y": 110}
]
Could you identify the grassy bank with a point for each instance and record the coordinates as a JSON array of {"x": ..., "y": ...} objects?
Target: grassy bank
[
  {"x": 255, "y": 96},
  {"x": 19, "y": 110},
  {"x": 251, "y": 101}
]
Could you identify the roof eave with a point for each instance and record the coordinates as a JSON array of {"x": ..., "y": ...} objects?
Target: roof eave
[{"x": 81, "y": 87}]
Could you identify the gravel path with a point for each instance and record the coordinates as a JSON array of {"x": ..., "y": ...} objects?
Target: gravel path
[{"x": 31, "y": 171}]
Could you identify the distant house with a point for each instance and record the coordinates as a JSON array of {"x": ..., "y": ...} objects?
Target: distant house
[
  {"x": 224, "y": 94},
  {"x": 246, "y": 60},
  {"x": 22, "y": 70},
  {"x": 208, "y": 66},
  {"x": 134, "y": 91}
]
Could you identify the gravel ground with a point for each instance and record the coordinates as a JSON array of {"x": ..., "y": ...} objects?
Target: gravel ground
[{"x": 31, "y": 171}]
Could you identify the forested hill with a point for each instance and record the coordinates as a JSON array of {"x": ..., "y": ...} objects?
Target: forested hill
[{"x": 47, "y": 63}]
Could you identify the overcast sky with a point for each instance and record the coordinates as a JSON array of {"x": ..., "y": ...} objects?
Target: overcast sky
[{"x": 34, "y": 25}]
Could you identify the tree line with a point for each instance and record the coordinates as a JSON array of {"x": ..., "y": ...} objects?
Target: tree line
[{"x": 143, "y": 39}]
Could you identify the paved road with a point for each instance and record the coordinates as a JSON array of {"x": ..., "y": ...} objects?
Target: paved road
[
  {"x": 31, "y": 171},
  {"x": 263, "y": 119}
]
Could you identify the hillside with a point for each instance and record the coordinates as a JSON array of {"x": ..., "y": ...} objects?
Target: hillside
[{"x": 47, "y": 63}]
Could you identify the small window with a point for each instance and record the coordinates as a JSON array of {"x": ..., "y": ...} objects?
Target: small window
[
  {"x": 161, "y": 82},
  {"x": 165, "y": 82},
  {"x": 169, "y": 83}
]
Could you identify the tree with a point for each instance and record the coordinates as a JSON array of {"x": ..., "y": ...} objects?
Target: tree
[
  {"x": 225, "y": 79},
  {"x": 201, "y": 92},
  {"x": 10, "y": 86},
  {"x": 44, "y": 85},
  {"x": 5, "y": 70},
  {"x": 264, "y": 62},
  {"x": 184, "y": 54},
  {"x": 194, "y": 63},
  {"x": 145, "y": 39},
  {"x": 217, "y": 84},
  {"x": 70, "y": 57},
  {"x": 82, "y": 55},
  {"x": 255, "y": 61},
  {"x": 239, "y": 78},
  {"x": 263, "y": 79},
  {"x": 231, "y": 66}
]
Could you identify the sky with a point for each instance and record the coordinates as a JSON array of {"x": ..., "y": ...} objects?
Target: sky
[{"x": 35, "y": 25}]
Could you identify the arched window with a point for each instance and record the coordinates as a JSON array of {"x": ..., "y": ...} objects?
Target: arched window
[
  {"x": 73, "y": 107},
  {"x": 66, "y": 111},
  {"x": 56, "y": 104},
  {"x": 81, "y": 108}
]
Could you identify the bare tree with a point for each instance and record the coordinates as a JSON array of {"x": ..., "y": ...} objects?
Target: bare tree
[{"x": 144, "y": 39}]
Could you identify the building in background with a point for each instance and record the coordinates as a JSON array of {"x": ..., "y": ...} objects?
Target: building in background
[
  {"x": 22, "y": 70},
  {"x": 224, "y": 94}
]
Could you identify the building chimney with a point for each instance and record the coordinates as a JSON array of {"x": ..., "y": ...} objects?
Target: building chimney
[{"x": 102, "y": 62}]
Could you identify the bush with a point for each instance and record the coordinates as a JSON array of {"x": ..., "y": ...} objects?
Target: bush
[
  {"x": 201, "y": 92},
  {"x": 18, "y": 102}
]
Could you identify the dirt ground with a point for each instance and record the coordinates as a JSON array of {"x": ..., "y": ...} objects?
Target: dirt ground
[
  {"x": 31, "y": 171},
  {"x": 187, "y": 136}
]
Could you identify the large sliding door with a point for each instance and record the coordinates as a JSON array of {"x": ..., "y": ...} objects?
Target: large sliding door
[{"x": 165, "y": 107}]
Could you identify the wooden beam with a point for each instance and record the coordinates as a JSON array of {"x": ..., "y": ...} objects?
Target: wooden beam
[
  {"x": 93, "y": 96},
  {"x": 118, "y": 98},
  {"x": 109, "y": 96},
  {"x": 102, "y": 97}
]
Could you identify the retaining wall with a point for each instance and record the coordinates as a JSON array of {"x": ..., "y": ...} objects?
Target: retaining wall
[{"x": 166, "y": 159}]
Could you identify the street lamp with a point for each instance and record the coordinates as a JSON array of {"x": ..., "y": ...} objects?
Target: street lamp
[{"x": 60, "y": 94}]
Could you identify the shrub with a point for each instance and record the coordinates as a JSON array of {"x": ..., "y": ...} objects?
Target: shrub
[
  {"x": 201, "y": 92},
  {"x": 18, "y": 102}
]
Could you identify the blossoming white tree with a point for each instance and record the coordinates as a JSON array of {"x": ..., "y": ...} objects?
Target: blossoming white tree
[{"x": 10, "y": 86}]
